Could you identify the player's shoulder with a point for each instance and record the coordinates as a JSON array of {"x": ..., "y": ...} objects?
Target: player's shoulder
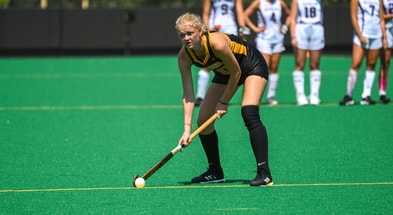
[
  {"x": 182, "y": 54},
  {"x": 218, "y": 40},
  {"x": 182, "y": 51}
]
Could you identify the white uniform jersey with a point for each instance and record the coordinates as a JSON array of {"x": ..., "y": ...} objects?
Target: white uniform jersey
[
  {"x": 388, "y": 9},
  {"x": 309, "y": 12},
  {"x": 223, "y": 12},
  {"x": 310, "y": 32},
  {"x": 369, "y": 18},
  {"x": 269, "y": 15}
]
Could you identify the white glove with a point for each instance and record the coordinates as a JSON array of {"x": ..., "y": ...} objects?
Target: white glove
[
  {"x": 244, "y": 30},
  {"x": 284, "y": 29}
]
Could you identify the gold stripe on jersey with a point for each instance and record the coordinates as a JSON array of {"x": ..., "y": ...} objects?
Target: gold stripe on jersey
[
  {"x": 210, "y": 61},
  {"x": 238, "y": 48}
]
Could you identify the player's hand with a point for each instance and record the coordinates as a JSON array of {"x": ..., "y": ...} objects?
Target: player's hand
[
  {"x": 284, "y": 29},
  {"x": 244, "y": 31},
  {"x": 185, "y": 139},
  {"x": 385, "y": 43},
  {"x": 294, "y": 41},
  {"x": 217, "y": 27},
  {"x": 363, "y": 39},
  {"x": 221, "y": 109},
  {"x": 260, "y": 29}
]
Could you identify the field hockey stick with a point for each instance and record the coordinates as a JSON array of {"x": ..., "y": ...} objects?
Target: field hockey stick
[{"x": 178, "y": 148}]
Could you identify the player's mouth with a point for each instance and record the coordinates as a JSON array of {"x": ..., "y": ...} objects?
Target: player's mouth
[{"x": 188, "y": 43}]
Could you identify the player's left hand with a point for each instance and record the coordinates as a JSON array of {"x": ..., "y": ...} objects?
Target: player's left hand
[
  {"x": 385, "y": 43},
  {"x": 221, "y": 110}
]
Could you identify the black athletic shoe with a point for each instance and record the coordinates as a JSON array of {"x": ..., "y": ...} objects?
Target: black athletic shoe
[
  {"x": 198, "y": 102},
  {"x": 367, "y": 101},
  {"x": 262, "y": 179},
  {"x": 209, "y": 177},
  {"x": 384, "y": 99},
  {"x": 347, "y": 100}
]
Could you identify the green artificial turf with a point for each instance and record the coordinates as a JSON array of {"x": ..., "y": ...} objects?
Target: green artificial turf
[{"x": 74, "y": 132}]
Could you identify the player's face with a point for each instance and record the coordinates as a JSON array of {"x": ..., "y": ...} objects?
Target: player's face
[{"x": 189, "y": 35}]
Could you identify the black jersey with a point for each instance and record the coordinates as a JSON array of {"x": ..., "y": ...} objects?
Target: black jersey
[{"x": 248, "y": 57}]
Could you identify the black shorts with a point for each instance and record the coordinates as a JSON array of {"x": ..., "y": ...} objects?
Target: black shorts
[{"x": 260, "y": 70}]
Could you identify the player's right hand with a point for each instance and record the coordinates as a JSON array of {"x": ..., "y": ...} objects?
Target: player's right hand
[
  {"x": 363, "y": 39},
  {"x": 260, "y": 29},
  {"x": 185, "y": 139}
]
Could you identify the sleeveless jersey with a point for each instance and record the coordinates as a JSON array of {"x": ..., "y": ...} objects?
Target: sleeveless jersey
[
  {"x": 245, "y": 54},
  {"x": 222, "y": 13},
  {"x": 269, "y": 15},
  {"x": 368, "y": 18},
  {"x": 309, "y": 12},
  {"x": 388, "y": 9}
]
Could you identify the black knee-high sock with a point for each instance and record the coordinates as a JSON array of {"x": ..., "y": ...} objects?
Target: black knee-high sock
[
  {"x": 258, "y": 135},
  {"x": 210, "y": 145}
]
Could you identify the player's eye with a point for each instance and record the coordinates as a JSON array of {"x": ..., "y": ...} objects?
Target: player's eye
[{"x": 188, "y": 33}]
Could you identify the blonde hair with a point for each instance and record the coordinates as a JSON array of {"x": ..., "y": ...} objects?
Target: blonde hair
[{"x": 191, "y": 19}]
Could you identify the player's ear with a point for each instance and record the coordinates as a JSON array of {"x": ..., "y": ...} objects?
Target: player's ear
[{"x": 200, "y": 31}]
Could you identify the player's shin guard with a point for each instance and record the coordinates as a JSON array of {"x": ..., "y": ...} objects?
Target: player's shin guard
[
  {"x": 210, "y": 146},
  {"x": 258, "y": 135}
]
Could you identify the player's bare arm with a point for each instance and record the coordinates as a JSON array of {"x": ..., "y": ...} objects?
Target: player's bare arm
[
  {"x": 354, "y": 21},
  {"x": 383, "y": 26},
  {"x": 221, "y": 48},
  {"x": 293, "y": 15},
  {"x": 247, "y": 14}
]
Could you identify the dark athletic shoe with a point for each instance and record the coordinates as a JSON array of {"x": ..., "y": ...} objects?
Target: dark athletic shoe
[
  {"x": 209, "y": 177},
  {"x": 384, "y": 99},
  {"x": 262, "y": 179},
  {"x": 347, "y": 100},
  {"x": 198, "y": 101},
  {"x": 367, "y": 101}
]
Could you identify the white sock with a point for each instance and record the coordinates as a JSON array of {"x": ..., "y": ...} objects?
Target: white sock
[
  {"x": 315, "y": 82},
  {"x": 273, "y": 81},
  {"x": 203, "y": 80},
  {"x": 298, "y": 81},
  {"x": 368, "y": 83},
  {"x": 351, "y": 81}
]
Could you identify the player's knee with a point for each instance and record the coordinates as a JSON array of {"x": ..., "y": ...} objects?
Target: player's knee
[
  {"x": 299, "y": 67},
  {"x": 314, "y": 66},
  {"x": 251, "y": 117},
  {"x": 200, "y": 121}
]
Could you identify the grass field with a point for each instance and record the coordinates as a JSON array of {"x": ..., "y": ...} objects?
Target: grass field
[{"x": 74, "y": 131}]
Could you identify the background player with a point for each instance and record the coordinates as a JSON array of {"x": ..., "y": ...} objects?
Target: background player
[
  {"x": 307, "y": 34},
  {"x": 368, "y": 39},
  {"x": 270, "y": 36},
  {"x": 386, "y": 52}
]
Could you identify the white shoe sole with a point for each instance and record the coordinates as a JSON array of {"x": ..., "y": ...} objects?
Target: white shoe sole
[{"x": 302, "y": 101}]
